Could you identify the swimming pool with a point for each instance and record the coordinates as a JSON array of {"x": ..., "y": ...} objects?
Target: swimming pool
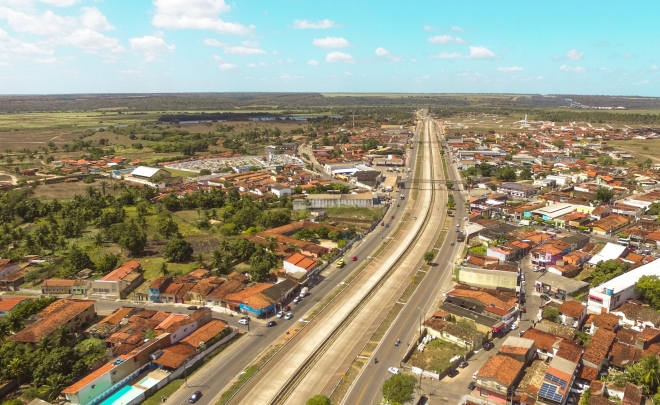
[
  {"x": 148, "y": 382},
  {"x": 123, "y": 396}
]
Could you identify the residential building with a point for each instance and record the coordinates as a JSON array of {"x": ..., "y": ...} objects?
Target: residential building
[
  {"x": 610, "y": 251},
  {"x": 72, "y": 314},
  {"x": 634, "y": 314},
  {"x": 7, "y": 304},
  {"x": 299, "y": 263},
  {"x": 481, "y": 307},
  {"x": 496, "y": 377},
  {"x": 610, "y": 225},
  {"x": 596, "y": 352},
  {"x": 572, "y": 313},
  {"x": 517, "y": 190},
  {"x": 518, "y": 348},
  {"x": 281, "y": 191},
  {"x": 176, "y": 355},
  {"x": 56, "y": 286},
  {"x": 550, "y": 252},
  {"x": 553, "y": 211},
  {"x": 559, "y": 377},
  {"x": 546, "y": 344},
  {"x": 118, "y": 282},
  {"x": 454, "y": 333}
]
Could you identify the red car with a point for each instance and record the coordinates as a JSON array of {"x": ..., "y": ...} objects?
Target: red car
[
  {"x": 392, "y": 217},
  {"x": 354, "y": 258}
]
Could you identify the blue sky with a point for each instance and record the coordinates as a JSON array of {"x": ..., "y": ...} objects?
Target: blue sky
[{"x": 501, "y": 46}]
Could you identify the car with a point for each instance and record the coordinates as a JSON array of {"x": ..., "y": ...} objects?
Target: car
[
  {"x": 571, "y": 401},
  {"x": 193, "y": 307},
  {"x": 382, "y": 224},
  {"x": 514, "y": 326},
  {"x": 398, "y": 205},
  {"x": 392, "y": 217},
  {"x": 465, "y": 218},
  {"x": 341, "y": 263},
  {"x": 243, "y": 321},
  {"x": 458, "y": 225},
  {"x": 463, "y": 364},
  {"x": 453, "y": 373},
  {"x": 523, "y": 310},
  {"x": 271, "y": 324},
  {"x": 393, "y": 370},
  {"x": 280, "y": 314},
  {"x": 354, "y": 258},
  {"x": 296, "y": 300},
  {"x": 387, "y": 225},
  {"x": 545, "y": 297},
  {"x": 451, "y": 243},
  {"x": 472, "y": 385},
  {"x": 289, "y": 315},
  {"x": 474, "y": 376},
  {"x": 522, "y": 282},
  {"x": 195, "y": 397},
  {"x": 488, "y": 345},
  {"x": 287, "y": 308},
  {"x": 457, "y": 230}
]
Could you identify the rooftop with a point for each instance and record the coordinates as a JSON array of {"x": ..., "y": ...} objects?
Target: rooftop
[
  {"x": 502, "y": 369},
  {"x": 52, "y": 317}
]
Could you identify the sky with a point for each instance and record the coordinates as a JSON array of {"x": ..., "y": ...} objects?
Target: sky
[{"x": 405, "y": 46}]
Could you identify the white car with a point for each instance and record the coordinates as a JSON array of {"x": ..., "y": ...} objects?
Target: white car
[
  {"x": 243, "y": 321},
  {"x": 514, "y": 326},
  {"x": 288, "y": 316},
  {"x": 475, "y": 374},
  {"x": 296, "y": 300},
  {"x": 280, "y": 314},
  {"x": 522, "y": 281},
  {"x": 465, "y": 218},
  {"x": 393, "y": 370}
]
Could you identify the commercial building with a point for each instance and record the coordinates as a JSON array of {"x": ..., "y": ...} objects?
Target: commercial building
[
  {"x": 364, "y": 200},
  {"x": 119, "y": 281}
]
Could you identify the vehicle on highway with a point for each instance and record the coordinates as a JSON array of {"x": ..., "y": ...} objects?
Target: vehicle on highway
[
  {"x": 393, "y": 370},
  {"x": 382, "y": 224},
  {"x": 303, "y": 292},
  {"x": 192, "y": 307},
  {"x": 463, "y": 364},
  {"x": 354, "y": 258},
  {"x": 271, "y": 323},
  {"x": 451, "y": 243},
  {"x": 465, "y": 218},
  {"x": 453, "y": 373},
  {"x": 243, "y": 321},
  {"x": 280, "y": 314},
  {"x": 195, "y": 397},
  {"x": 458, "y": 225},
  {"x": 296, "y": 300},
  {"x": 398, "y": 342},
  {"x": 472, "y": 385},
  {"x": 341, "y": 263},
  {"x": 514, "y": 326},
  {"x": 488, "y": 345},
  {"x": 392, "y": 217},
  {"x": 387, "y": 225},
  {"x": 288, "y": 316}
]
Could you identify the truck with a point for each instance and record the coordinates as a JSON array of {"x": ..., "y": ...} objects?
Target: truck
[
  {"x": 402, "y": 196},
  {"x": 460, "y": 237},
  {"x": 303, "y": 292},
  {"x": 524, "y": 222}
]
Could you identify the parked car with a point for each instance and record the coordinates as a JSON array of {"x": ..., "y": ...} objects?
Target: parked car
[
  {"x": 463, "y": 364},
  {"x": 354, "y": 258},
  {"x": 571, "y": 401},
  {"x": 522, "y": 282},
  {"x": 243, "y": 321},
  {"x": 393, "y": 370},
  {"x": 488, "y": 345},
  {"x": 465, "y": 218},
  {"x": 514, "y": 326},
  {"x": 195, "y": 397},
  {"x": 287, "y": 308},
  {"x": 545, "y": 297},
  {"x": 453, "y": 373},
  {"x": 472, "y": 385},
  {"x": 289, "y": 315},
  {"x": 192, "y": 307},
  {"x": 296, "y": 300},
  {"x": 280, "y": 314},
  {"x": 474, "y": 376},
  {"x": 271, "y": 323}
]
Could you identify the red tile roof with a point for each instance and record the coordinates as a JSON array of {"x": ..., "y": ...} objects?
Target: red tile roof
[
  {"x": 502, "y": 369},
  {"x": 52, "y": 317},
  {"x": 122, "y": 271},
  {"x": 7, "y": 304}
]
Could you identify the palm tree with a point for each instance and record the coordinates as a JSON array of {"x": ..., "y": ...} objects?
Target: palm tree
[
  {"x": 16, "y": 368},
  {"x": 46, "y": 344},
  {"x": 104, "y": 185},
  {"x": 15, "y": 322},
  {"x": 163, "y": 269},
  {"x": 651, "y": 367},
  {"x": 54, "y": 385},
  {"x": 272, "y": 243},
  {"x": 62, "y": 336},
  {"x": 199, "y": 260},
  {"x": 98, "y": 241},
  {"x": 91, "y": 191},
  {"x": 5, "y": 331}
]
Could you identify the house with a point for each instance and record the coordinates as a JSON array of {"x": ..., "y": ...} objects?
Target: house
[
  {"x": 596, "y": 352},
  {"x": 281, "y": 191},
  {"x": 609, "y": 225},
  {"x": 530, "y": 384},
  {"x": 158, "y": 286},
  {"x": 299, "y": 263},
  {"x": 610, "y": 251},
  {"x": 549, "y": 253},
  {"x": 572, "y": 313},
  {"x": 7, "y": 304},
  {"x": 518, "y": 348},
  {"x": 218, "y": 297},
  {"x": 454, "y": 333},
  {"x": 55, "y": 286},
  {"x": 13, "y": 281},
  {"x": 517, "y": 190},
  {"x": 251, "y": 300},
  {"x": 110, "y": 323},
  {"x": 118, "y": 282},
  {"x": 174, "y": 356},
  {"x": 634, "y": 314},
  {"x": 558, "y": 379},
  {"x": 481, "y": 307},
  {"x": 496, "y": 377},
  {"x": 71, "y": 314},
  {"x": 153, "y": 176}
]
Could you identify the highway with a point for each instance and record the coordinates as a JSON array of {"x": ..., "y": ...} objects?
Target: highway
[
  {"x": 219, "y": 374},
  {"x": 367, "y": 387}
]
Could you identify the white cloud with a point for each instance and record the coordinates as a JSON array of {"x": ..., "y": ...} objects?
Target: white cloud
[
  {"x": 289, "y": 76},
  {"x": 17, "y": 47},
  {"x": 283, "y": 61},
  {"x": 247, "y": 47},
  {"x": 227, "y": 66},
  {"x": 510, "y": 69},
  {"x": 331, "y": 42},
  {"x": 318, "y": 25},
  {"x": 46, "y": 61},
  {"x": 653, "y": 67},
  {"x": 445, "y": 39},
  {"x": 456, "y": 28},
  {"x": 479, "y": 52},
  {"x": 336, "y": 57},
  {"x": 429, "y": 28},
  {"x": 413, "y": 60},
  {"x": 93, "y": 19},
  {"x": 129, "y": 72},
  {"x": 448, "y": 55},
  {"x": 313, "y": 62},
  {"x": 574, "y": 54},
  {"x": 255, "y": 65},
  {"x": 390, "y": 56},
  {"x": 196, "y": 14},
  {"x": 347, "y": 73},
  {"x": 60, "y": 3},
  {"x": 150, "y": 46},
  {"x": 572, "y": 69}
]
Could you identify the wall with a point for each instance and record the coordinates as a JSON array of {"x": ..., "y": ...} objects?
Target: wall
[{"x": 488, "y": 278}]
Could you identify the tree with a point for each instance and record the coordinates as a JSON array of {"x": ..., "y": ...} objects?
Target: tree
[
  {"x": 604, "y": 194},
  {"x": 199, "y": 261},
  {"x": 551, "y": 314},
  {"x": 428, "y": 257},
  {"x": 485, "y": 169},
  {"x": 559, "y": 144},
  {"x": 318, "y": 400},
  {"x": 646, "y": 373},
  {"x": 78, "y": 260},
  {"x": 166, "y": 225},
  {"x": 107, "y": 262},
  {"x": 98, "y": 241},
  {"x": 507, "y": 174},
  {"x": 62, "y": 336},
  {"x": 54, "y": 385},
  {"x": 261, "y": 262},
  {"x": 132, "y": 239},
  {"x": 649, "y": 286},
  {"x": 607, "y": 270},
  {"x": 526, "y": 173},
  {"x": 91, "y": 191},
  {"x": 399, "y": 388},
  {"x": 103, "y": 184},
  {"x": 163, "y": 269},
  {"x": 178, "y": 250},
  {"x": 449, "y": 185}
]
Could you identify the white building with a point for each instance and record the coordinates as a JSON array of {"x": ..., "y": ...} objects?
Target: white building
[
  {"x": 280, "y": 190},
  {"x": 615, "y": 292}
]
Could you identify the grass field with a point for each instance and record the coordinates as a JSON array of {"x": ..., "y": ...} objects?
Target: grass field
[
  {"x": 436, "y": 356},
  {"x": 636, "y": 148}
]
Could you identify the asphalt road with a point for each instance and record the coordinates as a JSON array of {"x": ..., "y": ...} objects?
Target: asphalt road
[
  {"x": 215, "y": 378},
  {"x": 367, "y": 387}
]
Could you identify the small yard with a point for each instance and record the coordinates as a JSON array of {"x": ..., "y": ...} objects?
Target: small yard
[
  {"x": 436, "y": 356},
  {"x": 354, "y": 212}
]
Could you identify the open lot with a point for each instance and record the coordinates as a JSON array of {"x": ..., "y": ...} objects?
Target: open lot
[
  {"x": 636, "y": 148},
  {"x": 436, "y": 356}
]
